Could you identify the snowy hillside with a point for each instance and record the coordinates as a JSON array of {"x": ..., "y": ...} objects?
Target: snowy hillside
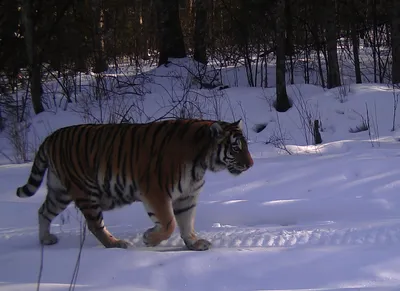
[{"x": 305, "y": 217}]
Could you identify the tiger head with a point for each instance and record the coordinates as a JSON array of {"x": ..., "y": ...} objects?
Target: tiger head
[{"x": 231, "y": 149}]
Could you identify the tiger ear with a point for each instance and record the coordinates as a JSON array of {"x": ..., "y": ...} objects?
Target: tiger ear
[
  {"x": 216, "y": 131},
  {"x": 238, "y": 123}
]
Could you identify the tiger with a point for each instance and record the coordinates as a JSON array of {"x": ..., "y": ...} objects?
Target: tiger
[{"x": 162, "y": 164}]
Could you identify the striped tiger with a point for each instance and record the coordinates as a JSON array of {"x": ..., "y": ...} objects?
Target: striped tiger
[{"x": 161, "y": 164}]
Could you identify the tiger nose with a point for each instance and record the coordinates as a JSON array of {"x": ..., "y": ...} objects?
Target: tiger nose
[{"x": 250, "y": 163}]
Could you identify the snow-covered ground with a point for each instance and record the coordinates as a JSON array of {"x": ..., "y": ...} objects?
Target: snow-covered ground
[{"x": 304, "y": 217}]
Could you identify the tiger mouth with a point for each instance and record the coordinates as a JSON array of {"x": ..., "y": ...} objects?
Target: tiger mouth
[{"x": 235, "y": 171}]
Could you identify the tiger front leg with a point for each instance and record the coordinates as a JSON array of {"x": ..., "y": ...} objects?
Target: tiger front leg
[
  {"x": 185, "y": 211},
  {"x": 161, "y": 213}
]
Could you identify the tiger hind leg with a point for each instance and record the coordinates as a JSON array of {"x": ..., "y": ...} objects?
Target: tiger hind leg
[
  {"x": 56, "y": 201},
  {"x": 161, "y": 213},
  {"x": 93, "y": 214}
]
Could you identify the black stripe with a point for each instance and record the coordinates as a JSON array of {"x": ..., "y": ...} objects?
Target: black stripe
[
  {"x": 200, "y": 133},
  {"x": 87, "y": 148},
  {"x": 51, "y": 202},
  {"x": 131, "y": 153},
  {"x": 62, "y": 201},
  {"x": 120, "y": 193},
  {"x": 159, "y": 170},
  {"x": 80, "y": 201},
  {"x": 51, "y": 212},
  {"x": 199, "y": 187},
  {"x": 156, "y": 132},
  {"x": 197, "y": 160},
  {"x": 137, "y": 144},
  {"x": 41, "y": 159},
  {"x": 184, "y": 198},
  {"x": 172, "y": 179},
  {"x": 123, "y": 175},
  {"x": 32, "y": 181},
  {"x": 123, "y": 136},
  {"x": 183, "y": 128},
  {"x": 38, "y": 171},
  {"x": 180, "y": 179},
  {"x": 64, "y": 140},
  {"x": 77, "y": 141},
  {"x": 98, "y": 218},
  {"x": 147, "y": 128},
  {"x": 132, "y": 190},
  {"x": 180, "y": 211},
  {"x": 94, "y": 143},
  {"x": 45, "y": 217},
  {"x": 26, "y": 191}
]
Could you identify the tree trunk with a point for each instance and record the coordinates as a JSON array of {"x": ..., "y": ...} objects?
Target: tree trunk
[
  {"x": 171, "y": 44},
  {"x": 32, "y": 51},
  {"x": 289, "y": 47},
  {"x": 100, "y": 62},
  {"x": 282, "y": 100},
  {"x": 200, "y": 32},
  {"x": 396, "y": 42},
  {"x": 355, "y": 44},
  {"x": 331, "y": 45}
]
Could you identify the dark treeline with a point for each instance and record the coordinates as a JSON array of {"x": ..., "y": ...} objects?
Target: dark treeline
[{"x": 77, "y": 36}]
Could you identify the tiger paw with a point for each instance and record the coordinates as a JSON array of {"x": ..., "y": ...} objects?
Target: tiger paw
[
  {"x": 198, "y": 245},
  {"x": 120, "y": 244},
  {"x": 49, "y": 239},
  {"x": 148, "y": 238}
]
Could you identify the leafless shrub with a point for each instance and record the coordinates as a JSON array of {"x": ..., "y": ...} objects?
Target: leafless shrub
[
  {"x": 307, "y": 116},
  {"x": 279, "y": 138},
  {"x": 373, "y": 135},
  {"x": 343, "y": 93},
  {"x": 183, "y": 101},
  {"x": 15, "y": 119},
  {"x": 395, "y": 104},
  {"x": 106, "y": 100},
  {"x": 369, "y": 124},
  {"x": 18, "y": 138},
  {"x": 270, "y": 99},
  {"x": 363, "y": 126}
]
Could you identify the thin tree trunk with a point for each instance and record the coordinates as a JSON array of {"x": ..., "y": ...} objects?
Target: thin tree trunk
[
  {"x": 200, "y": 32},
  {"x": 331, "y": 46},
  {"x": 32, "y": 51},
  {"x": 355, "y": 44},
  {"x": 100, "y": 64},
  {"x": 307, "y": 55},
  {"x": 373, "y": 42},
  {"x": 282, "y": 99},
  {"x": 171, "y": 44},
  {"x": 289, "y": 50},
  {"x": 396, "y": 42}
]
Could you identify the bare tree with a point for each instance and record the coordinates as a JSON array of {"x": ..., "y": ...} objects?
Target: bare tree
[
  {"x": 282, "y": 100},
  {"x": 396, "y": 41},
  {"x": 100, "y": 63},
  {"x": 171, "y": 44},
  {"x": 355, "y": 40},
  {"x": 200, "y": 32},
  {"x": 33, "y": 54},
  {"x": 331, "y": 45}
]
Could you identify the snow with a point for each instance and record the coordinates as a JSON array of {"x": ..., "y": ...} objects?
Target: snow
[{"x": 305, "y": 217}]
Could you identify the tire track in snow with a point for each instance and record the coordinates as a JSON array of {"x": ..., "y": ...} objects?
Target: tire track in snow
[{"x": 234, "y": 237}]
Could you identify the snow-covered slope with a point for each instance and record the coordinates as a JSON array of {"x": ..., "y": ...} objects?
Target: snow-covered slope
[{"x": 304, "y": 217}]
